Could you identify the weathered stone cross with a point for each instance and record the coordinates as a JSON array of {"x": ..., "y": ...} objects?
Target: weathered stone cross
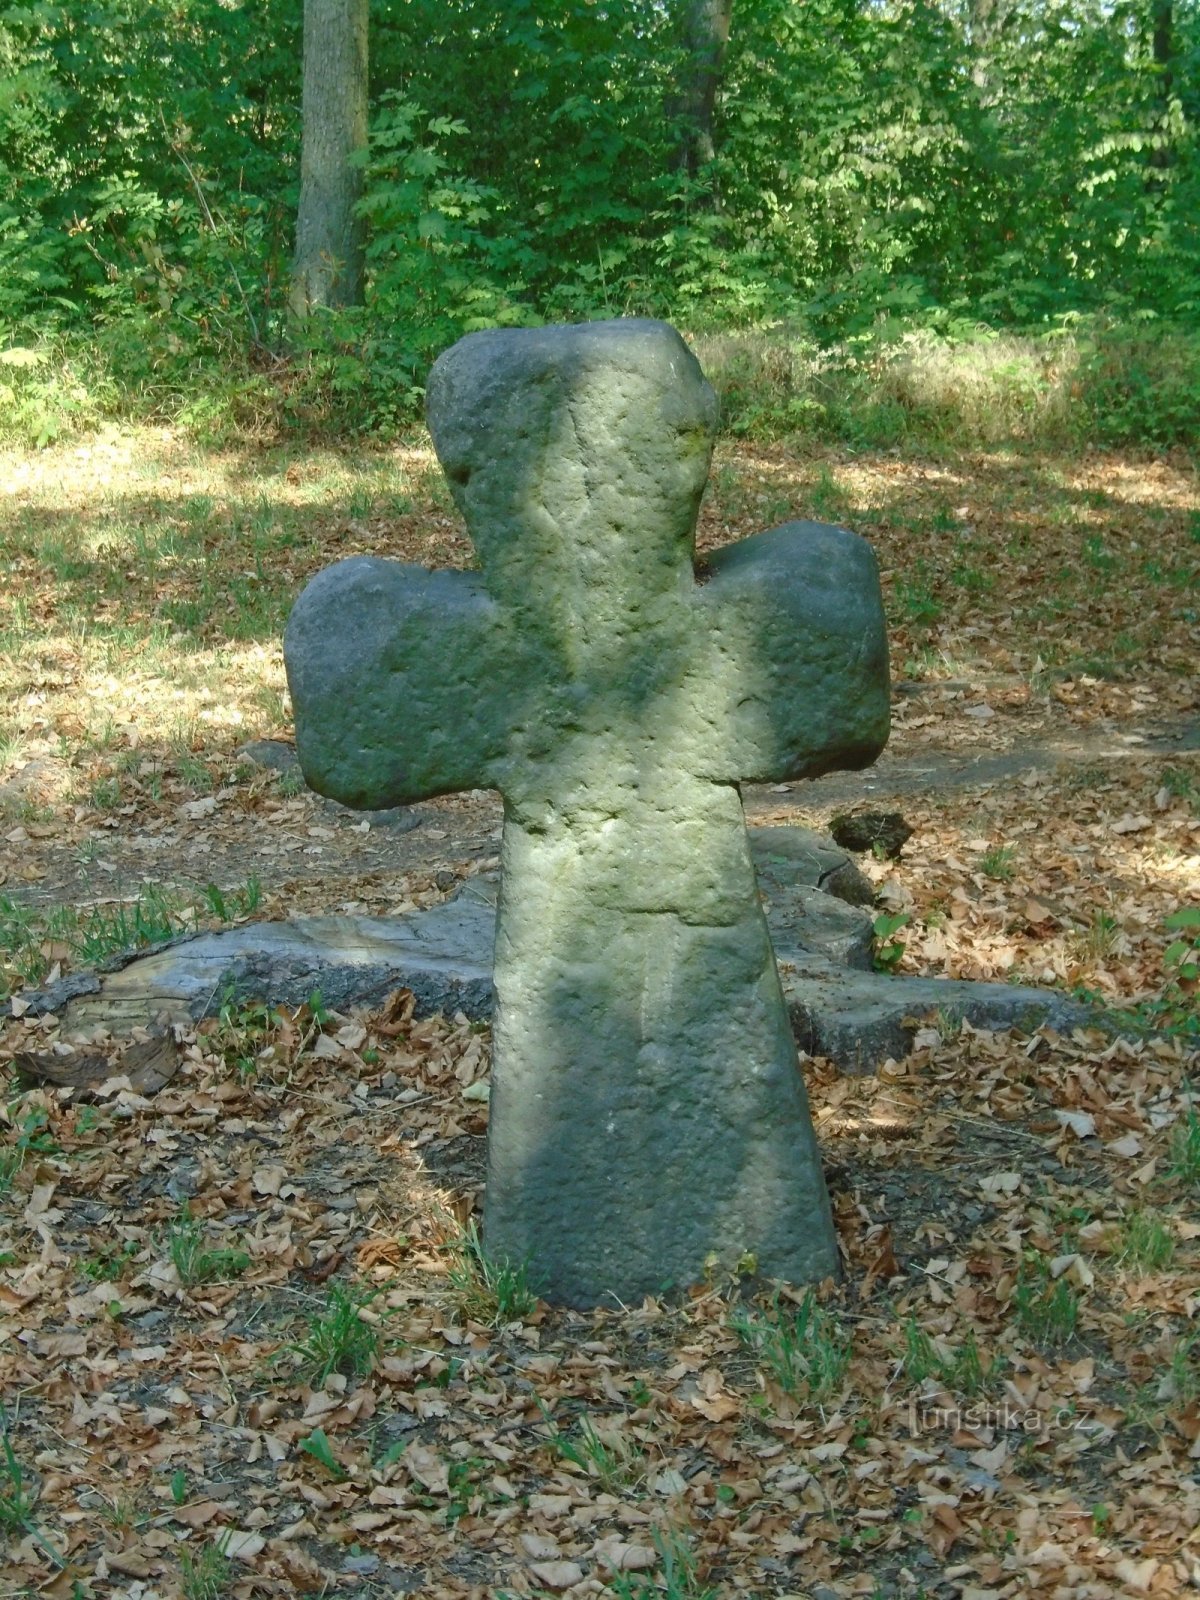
[{"x": 648, "y": 1118}]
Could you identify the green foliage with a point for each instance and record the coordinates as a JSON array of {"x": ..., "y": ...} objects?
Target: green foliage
[
  {"x": 338, "y": 1338},
  {"x": 194, "y": 1262},
  {"x": 1047, "y": 1310},
  {"x": 32, "y": 1139},
  {"x": 614, "y": 1460},
  {"x": 1176, "y": 1008},
  {"x": 207, "y": 1575},
  {"x": 318, "y": 1447},
  {"x": 888, "y": 949},
  {"x": 488, "y": 1291},
  {"x": 1147, "y": 1242},
  {"x": 17, "y": 1500},
  {"x": 962, "y": 1370},
  {"x": 243, "y": 1028},
  {"x": 29, "y": 934},
  {"x": 676, "y": 1578},
  {"x": 804, "y": 1350},
  {"x": 997, "y": 862},
  {"x": 1185, "y": 1150},
  {"x": 891, "y": 183}
]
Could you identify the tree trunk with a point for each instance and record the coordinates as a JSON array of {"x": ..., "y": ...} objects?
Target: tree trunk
[
  {"x": 1163, "y": 47},
  {"x": 706, "y": 26},
  {"x": 328, "y": 266}
]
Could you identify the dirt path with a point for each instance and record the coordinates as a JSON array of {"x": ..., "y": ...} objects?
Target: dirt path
[{"x": 317, "y": 854}]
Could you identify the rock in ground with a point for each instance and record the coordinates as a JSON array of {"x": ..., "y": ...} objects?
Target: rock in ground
[{"x": 839, "y": 1006}]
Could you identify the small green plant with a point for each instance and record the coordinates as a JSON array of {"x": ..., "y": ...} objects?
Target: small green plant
[
  {"x": 149, "y": 919},
  {"x": 1181, "y": 966},
  {"x": 338, "y": 1338},
  {"x": 804, "y": 1350},
  {"x": 997, "y": 862},
  {"x": 917, "y": 601},
  {"x": 243, "y": 1029},
  {"x": 318, "y": 1447},
  {"x": 1182, "y": 785},
  {"x": 1101, "y": 1519},
  {"x": 193, "y": 773},
  {"x": 610, "y": 1457},
  {"x": 194, "y": 1262},
  {"x": 179, "y": 1487},
  {"x": 676, "y": 1579},
  {"x": 206, "y": 1575},
  {"x": 468, "y": 1490},
  {"x": 1047, "y": 1310},
  {"x": 32, "y": 1139},
  {"x": 1185, "y": 1149},
  {"x": 1147, "y": 1242},
  {"x": 110, "y": 1262},
  {"x": 1175, "y": 1391},
  {"x": 17, "y": 1501},
  {"x": 106, "y": 794},
  {"x": 888, "y": 950},
  {"x": 488, "y": 1291},
  {"x": 962, "y": 1370},
  {"x": 1100, "y": 936},
  {"x": 227, "y": 905}
]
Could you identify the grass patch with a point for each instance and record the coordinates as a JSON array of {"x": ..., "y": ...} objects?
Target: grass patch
[
  {"x": 32, "y": 1139},
  {"x": 33, "y": 938},
  {"x": 1185, "y": 1150},
  {"x": 804, "y": 1351},
  {"x": 977, "y": 388},
  {"x": 608, "y": 1456},
  {"x": 997, "y": 862},
  {"x": 676, "y": 1578},
  {"x": 1047, "y": 1310},
  {"x": 1146, "y": 1242},
  {"x": 488, "y": 1291},
  {"x": 338, "y": 1338},
  {"x": 17, "y": 1500},
  {"x": 963, "y": 1370},
  {"x": 191, "y": 1257},
  {"x": 206, "y": 1575}
]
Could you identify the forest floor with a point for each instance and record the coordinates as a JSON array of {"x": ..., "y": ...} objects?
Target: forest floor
[{"x": 248, "y": 1342}]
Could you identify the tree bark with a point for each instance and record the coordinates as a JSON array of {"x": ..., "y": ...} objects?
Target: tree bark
[
  {"x": 1162, "y": 43},
  {"x": 706, "y": 25},
  {"x": 328, "y": 265}
]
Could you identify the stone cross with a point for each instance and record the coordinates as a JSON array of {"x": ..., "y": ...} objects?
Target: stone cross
[{"x": 648, "y": 1118}]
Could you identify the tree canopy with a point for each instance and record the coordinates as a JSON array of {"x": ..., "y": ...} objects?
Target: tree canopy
[{"x": 1018, "y": 162}]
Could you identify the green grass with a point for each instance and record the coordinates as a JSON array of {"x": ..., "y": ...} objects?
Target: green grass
[
  {"x": 28, "y": 934},
  {"x": 803, "y": 1349},
  {"x": 32, "y": 1139},
  {"x": 1146, "y": 1242},
  {"x": 338, "y": 1339},
  {"x": 676, "y": 1578},
  {"x": 613, "y": 1460},
  {"x": 488, "y": 1291},
  {"x": 17, "y": 1500},
  {"x": 997, "y": 862},
  {"x": 962, "y": 1370},
  {"x": 243, "y": 1029},
  {"x": 191, "y": 1257},
  {"x": 207, "y": 1575},
  {"x": 1047, "y": 1311},
  {"x": 1185, "y": 1150}
]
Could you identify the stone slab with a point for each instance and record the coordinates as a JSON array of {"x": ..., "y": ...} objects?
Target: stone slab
[{"x": 839, "y": 1007}]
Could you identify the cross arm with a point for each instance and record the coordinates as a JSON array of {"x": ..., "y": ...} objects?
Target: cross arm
[
  {"x": 400, "y": 681},
  {"x": 796, "y": 657}
]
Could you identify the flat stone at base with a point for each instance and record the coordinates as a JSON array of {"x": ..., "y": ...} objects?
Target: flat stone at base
[{"x": 839, "y": 1007}]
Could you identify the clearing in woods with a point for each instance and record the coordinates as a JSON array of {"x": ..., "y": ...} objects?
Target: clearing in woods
[{"x": 250, "y": 1345}]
